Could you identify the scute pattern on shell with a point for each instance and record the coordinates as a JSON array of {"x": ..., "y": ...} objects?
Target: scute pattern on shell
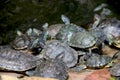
[
  {"x": 15, "y": 60},
  {"x": 55, "y": 49}
]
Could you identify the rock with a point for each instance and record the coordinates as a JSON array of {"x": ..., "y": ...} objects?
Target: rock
[
  {"x": 79, "y": 76},
  {"x": 102, "y": 74}
]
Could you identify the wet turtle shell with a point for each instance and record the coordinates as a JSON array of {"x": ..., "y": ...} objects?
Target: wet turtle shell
[
  {"x": 13, "y": 60},
  {"x": 82, "y": 40},
  {"x": 51, "y": 68},
  {"x": 56, "y": 49},
  {"x": 115, "y": 70}
]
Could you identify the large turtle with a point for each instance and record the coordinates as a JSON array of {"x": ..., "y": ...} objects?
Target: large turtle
[
  {"x": 51, "y": 68},
  {"x": 68, "y": 29},
  {"x": 13, "y": 60},
  {"x": 56, "y": 49}
]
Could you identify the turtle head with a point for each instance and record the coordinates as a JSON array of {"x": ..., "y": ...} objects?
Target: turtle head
[
  {"x": 65, "y": 19},
  {"x": 97, "y": 19}
]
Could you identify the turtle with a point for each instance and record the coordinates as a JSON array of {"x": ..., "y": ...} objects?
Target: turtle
[
  {"x": 98, "y": 61},
  {"x": 32, "y": 38},
  {"x": 116, "y": 42},
  {"x": 68, "y": 30},
  {"x": 110, "y": 28},
  {"x": 51, "y": 68},
  {"x": 115, "y": 69},
  {"x": 92, "y": 61},
  {"x": 83, "y": 40},
  {"x": 14, "y": 60},
  {"x": 21, "y": 41},
  {"x": 98, "y": 31},
  {"x": 55, "y": 48}
]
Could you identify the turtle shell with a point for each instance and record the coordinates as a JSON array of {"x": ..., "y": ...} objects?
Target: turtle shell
[
  {"x": 67, "y": 31},
  {"x": 82, "y": 40},
  {"x": 115, "y": 70},
  {"x": 51, "y": 68},
  {"x": 15, "y": 60},
  {"x": 55, "y": 49},
  {"x": 97, "y": 61}
]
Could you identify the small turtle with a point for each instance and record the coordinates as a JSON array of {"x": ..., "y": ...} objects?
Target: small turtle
[
  {"x": 13, "y": 60},
  {"x": 115, "y": 70},
  {"x": 33, "y": 38},
  {"x": 83, "y": 40},
  {"x": 55, "y": 48},
  {"x": 97, "y": 60},
  {"x": 92, "y": 61},
  {"x": 51, "y": 68},
  {"x": 68, "y": 29}
]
